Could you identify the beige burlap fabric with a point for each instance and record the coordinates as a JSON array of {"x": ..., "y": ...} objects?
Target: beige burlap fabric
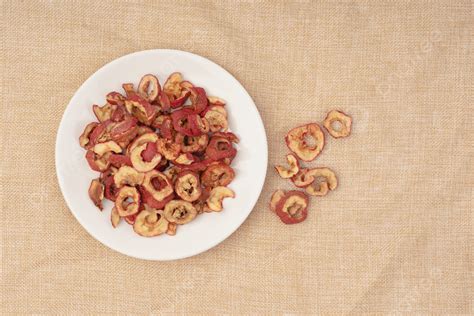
[{"x": 396, "y": 236}]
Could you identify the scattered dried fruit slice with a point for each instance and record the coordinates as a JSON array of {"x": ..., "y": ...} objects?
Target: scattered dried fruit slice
[
  {"x": 306, "y": 141},
  {"x": 198, "y": 99},
  {"x": 216, "y": 101},
  {"x": 338, "y": 124},
  {"x": 149, "y": 87},
  {"x": 103, "y": 113},
  {"x": 293, "y": 207},
  {"x": 96, "y": 193},
  {"x": 128, "y": 176},
  {"x": 217, "y": 121},
  {"x": 144, "y": 165},
  {"x": 115, "y": 98},
  {"x": 150, "y": 222},
  {"x": 190, "y": 144},
  {"x": 216, "y": 196},
  {"x": 172, "y": 227},
  {"x": 110, "y": 146},
  {"x": 180, "y": 212},
  {"x": 141, "y": 109},
  {"x": 276, "y": 197},
  {"x": 96, "y": 162},
  {"x": 324, "y": 179},
  {"x": 84, "y": 138},
  {"x": 157, "y": 184},
  {"x": 125, "y": 129},
  {"x": 129, "y": 89},
  {"x": 188, "y": 186},
  {"x": 169, "y": 149},
  {"x": 172, "y": 85},
  {"x": 114, "y": 217},
  {"x": 127, "y": 201},
  {"x": 220, "y": 148},
  {"x": 287, "y": 173},
  {"x": 184, "y": 159},
  {"x": 302, "y": 179},
  {"x": 217, "y": 174}
]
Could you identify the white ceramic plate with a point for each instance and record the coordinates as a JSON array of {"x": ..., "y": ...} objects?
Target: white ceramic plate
[{"x": 207, "y": 230}]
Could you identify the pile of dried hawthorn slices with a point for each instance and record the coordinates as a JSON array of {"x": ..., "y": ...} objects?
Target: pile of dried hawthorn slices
[
  {"x": 164, "y": 154},
  {"x": 292, "y": 206}
]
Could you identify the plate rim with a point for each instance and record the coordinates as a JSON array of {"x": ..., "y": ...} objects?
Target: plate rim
[{"x": 260, "y": 185}]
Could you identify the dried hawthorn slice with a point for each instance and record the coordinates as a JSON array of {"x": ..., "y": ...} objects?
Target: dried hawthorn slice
[
  {"x": 148, "y": 198},
  {"x": 215, "y": 101},
  {"x": 141, "y": 109},
  {"x": 144, "y": 130},
  {"x": 169, "y": 149},
  {"x": 84, "y": 139},
  {"x": 217, "y": 195},
  {"x": 100, "y": 134},
  {"x": 110, "y": 189},
  {"x": 201, "y": 203},
  {"x": 217, "y": 121},
  {"x": 149, "y": 87},
  {"x": 131, "y": 219},
  {"x": 190, "y": 144},
  {"x": 114, "y": 217},
  {"x": 287, "y": 173},
  {"x": 181, "y": 121},
  {"x": 150, "y": 152},
  {"x": 157, "y": 184},
  {"x": 128, "y": 176},
  {"x": 324, "y": 179},
  {"x": 302, "y": 179},
  {"x": 124, "y": 129},
  {"x": 276, "y": 197},
  {"x": 139, "y": 162},
  {"x": 150, "y": 137},
  {"x": 338, "y": 124},
  {"x": 229, "y": 135},
  {"x": 220, "y": 148},
  {"x": 96, "y": 193},
  {"x": 218, "y": 174},
  {"x": 164, "y": 101},
  {"x": 172, "y": 85},
  {"x": 127, "y": 201},
  {"x": 96, "y": 162},
  {"x": 179, "y": 212},
  {"x": 171, "y": 173},
  {"x": 110, "y": 146},
  {"x": 199, "y": 125},
  {"x": 159, "y": 119},
  {"x": 166, "y": 129},
  {"x": 118, "y": 160},
  {"x": 198, "y": 99},
  {"x": 293, "y": 207},
  {"x": 186, "y": 85},
  {"x": 119, "y": 113},
  {"x": 150, "y": 222},
  {"x": 103, "y": 113},
  {"x": 188, "y": 186},
  {"x": 129, "y": 90},
  {"x": 179, "y": 101},
  {"x": 115, "y": 98},
  {"x": 217, "y": 108},
  {"x": 184, "y": 159},
  {"x": 172, "y": 227},
  {"x": 306, "y": 141}
]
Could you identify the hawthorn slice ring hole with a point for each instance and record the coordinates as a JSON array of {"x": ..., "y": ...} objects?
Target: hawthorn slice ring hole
[{"x": 336, "y": 125}]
